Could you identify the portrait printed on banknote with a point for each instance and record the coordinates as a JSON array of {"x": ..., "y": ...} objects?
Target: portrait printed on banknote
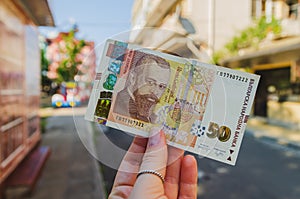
[
  {"x": 156, "y": 91},
  {"x": 146, "y": 81}
]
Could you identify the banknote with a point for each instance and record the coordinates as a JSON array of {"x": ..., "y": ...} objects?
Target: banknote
[{"x": 202, "y": 108}]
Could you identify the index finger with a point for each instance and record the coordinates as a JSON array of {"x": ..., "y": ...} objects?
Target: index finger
[
  {"x": 131, "y": 162},
  {"x": 173, "y": 172}
]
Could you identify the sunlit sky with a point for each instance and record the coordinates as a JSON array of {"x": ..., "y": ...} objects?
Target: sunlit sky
[{"x": 96, "y": 19}]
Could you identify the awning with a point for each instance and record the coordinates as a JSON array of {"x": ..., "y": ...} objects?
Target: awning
[
  {"x": 37, "y": 10},
  {"x": 185, "y": 47}
]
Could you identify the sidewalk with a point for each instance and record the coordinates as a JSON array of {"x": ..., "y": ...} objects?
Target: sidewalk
[
  {"x": 259, "y": 128},
  {"x": 70, "y": 172}
]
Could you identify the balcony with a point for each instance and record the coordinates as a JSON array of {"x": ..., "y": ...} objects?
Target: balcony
[{"x": 150, "y": 15}]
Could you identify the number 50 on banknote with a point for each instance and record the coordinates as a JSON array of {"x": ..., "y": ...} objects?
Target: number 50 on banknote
[{"x": 202, "y": 108}]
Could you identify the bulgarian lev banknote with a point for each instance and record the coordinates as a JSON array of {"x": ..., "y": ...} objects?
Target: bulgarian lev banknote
[{"x": 202, "y": 108}]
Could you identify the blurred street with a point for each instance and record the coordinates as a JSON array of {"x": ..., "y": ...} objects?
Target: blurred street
[{"x": 54, "y": 60}]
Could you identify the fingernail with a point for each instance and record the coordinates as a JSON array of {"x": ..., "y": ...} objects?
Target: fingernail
[
  {"x": 154, "y": 131},
  {"x": 156, "y": 137}
]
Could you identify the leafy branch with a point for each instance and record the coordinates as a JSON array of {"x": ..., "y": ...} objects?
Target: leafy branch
[
  {"x": 251, "y": 36},
  {"x": 68, "y": 66}
]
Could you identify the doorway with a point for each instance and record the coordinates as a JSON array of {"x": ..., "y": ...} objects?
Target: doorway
[{"x": 275, "y": 82}]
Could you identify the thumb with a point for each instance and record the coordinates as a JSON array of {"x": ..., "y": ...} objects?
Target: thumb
[{"x": 155, "y": 159}]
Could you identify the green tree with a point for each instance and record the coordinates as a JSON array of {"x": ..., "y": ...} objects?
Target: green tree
[
  {"x": 251, "y": 36},
  {"x": 68, "y": 66},
  {"x": 45, "y": 81}
]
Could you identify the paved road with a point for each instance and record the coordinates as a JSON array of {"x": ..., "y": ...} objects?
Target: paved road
[
  {"x": 117, "y": 142},
  {"x": 263, "y": 170}
]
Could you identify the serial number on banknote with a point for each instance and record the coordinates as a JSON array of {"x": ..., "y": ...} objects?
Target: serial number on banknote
[{"x": 232, "y": 76}]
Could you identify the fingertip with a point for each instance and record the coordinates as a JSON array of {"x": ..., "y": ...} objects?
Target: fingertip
[
  {"x": 188, "y": 177},
  {"x": 189, "y": 161},
  {"x": 189, "y": 165},
  {"x": 157, "y": 138},
  {"x": 154, "y": 131}
]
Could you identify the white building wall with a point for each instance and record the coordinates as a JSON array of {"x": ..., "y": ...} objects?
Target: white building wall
[
  {"x": 218, "y": 20},
  {"x": 215, "y": 21}
]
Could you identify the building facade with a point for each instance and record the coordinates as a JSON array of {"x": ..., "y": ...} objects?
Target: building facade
[
  {"x": 19, "y": 79},
  {"x": 190, "y": 28},
  {"x": 198, "y": 28},
  {"x": 277, "y": 60}
]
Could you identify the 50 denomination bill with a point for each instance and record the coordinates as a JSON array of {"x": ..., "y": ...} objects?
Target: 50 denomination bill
[{"x": 202, "y": 108}]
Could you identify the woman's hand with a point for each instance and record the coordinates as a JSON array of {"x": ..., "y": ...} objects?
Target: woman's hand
[{"x": 179, "y": 172}]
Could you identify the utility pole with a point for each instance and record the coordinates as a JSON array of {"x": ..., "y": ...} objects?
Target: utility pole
[{"x": 211, "y": 27}]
